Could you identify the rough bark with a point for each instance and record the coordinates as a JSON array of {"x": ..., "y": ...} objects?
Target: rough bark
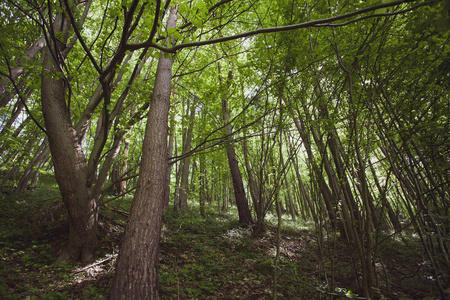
[
  {"x": 136, "y": 275},
  {"x": 67, "y": 156}
]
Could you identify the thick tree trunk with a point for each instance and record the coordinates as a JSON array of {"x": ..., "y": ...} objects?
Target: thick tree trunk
[
  {"x": 136, "y": 275},
  {"x": 68, "y": 159}
]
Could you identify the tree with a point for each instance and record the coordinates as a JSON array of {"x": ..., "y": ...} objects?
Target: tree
[
  {"x": 66, "y": 153},
  {"x": 136, "y": 275}
]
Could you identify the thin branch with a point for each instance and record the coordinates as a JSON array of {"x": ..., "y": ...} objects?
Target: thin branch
[
  {"x": 212, "y": 8},
  {"x": 208, "y": 64},
  {"x": 23, "y": 101},
  {"x": 138, "y": 18},
  {"x": 80, "y": 38}
]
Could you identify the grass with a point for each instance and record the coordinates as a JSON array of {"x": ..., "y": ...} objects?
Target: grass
[{"x": 200, "y": 258}]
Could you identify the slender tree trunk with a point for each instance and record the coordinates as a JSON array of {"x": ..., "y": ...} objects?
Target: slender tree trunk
[
  {"x": 170, "y": 148},
  {"x": 40, "y": 156},
  {"x": 203, "y": 186},
  {"x": 324, "y": 188},
  {"x": 136, "y": 273},
  {"x": 182, "y": 204},
  {"x": 22, "y": 159},
  {"x": 16, "y": 112},
  {"x": 124, "y": 169},
  {"x": 245, "y": 216},
  {"x": 386, "y": 205},
  {"x": 120, "y": 168},
  {"x": 15, "y": 134},
  {"x": 15, "y": 72},
  {"x": 289, "y": 201},
  {"x": 255, "y": 191}
]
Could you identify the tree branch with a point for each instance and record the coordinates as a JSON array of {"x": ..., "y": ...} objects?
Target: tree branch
[
  {"x": 80, "y": 38},
  {"x": 316, "y": 23},
  {"x": 24, "y": 102}
]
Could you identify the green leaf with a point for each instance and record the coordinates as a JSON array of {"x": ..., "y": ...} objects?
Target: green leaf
[
  {"x": 177, "y": 35},
  {"x": 200, "y": 4},
  {"x": 381, "y": 10},
  {"x": 183, "y": 8},
  {"x": 197, "y": 22},
  {"x": 374, "y": 2}
]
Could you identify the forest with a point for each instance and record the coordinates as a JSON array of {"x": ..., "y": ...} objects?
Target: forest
[{"x": 224, "y": 149}]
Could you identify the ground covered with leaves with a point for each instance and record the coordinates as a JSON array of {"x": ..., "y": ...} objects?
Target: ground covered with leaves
[{"x": 200, "y": 258}]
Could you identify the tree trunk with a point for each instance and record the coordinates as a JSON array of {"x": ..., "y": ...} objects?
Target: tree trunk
[
  {"x": 203, "y": 186},
  {"x": 67, "y": 156},
  {"x": 16, "y": 112},
  {"x": 255, "y": 191},
  {"x": 170, "y": 149},
  {"x": 324, "y": 188},
  {"x": 40, "y": 157},
  {"x": 245, "y": 217},
  {"x": 182, "y": 204},
  {"x": 136, "y": 274},
  {"x": 120, "y": 168}
]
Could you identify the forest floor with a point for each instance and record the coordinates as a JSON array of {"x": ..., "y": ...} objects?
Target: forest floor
[{"x": 200, "y": 258}]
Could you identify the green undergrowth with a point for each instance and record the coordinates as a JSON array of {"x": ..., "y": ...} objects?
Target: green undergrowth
[
  {"x": 213, "y": 257},
  {"x": 200, "y": 258}
]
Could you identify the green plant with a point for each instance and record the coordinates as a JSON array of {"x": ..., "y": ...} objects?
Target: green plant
[
  {"x": 345, "y": 293},
  {"x": 91, "y": 292}
]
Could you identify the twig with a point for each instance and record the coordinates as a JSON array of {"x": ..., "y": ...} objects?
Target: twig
[{"x": 96, "y": 264}]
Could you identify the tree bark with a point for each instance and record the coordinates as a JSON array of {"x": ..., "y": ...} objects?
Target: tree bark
[
  {"x": 136, "y": 274},
  {"x": 67, "y": 156}
]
